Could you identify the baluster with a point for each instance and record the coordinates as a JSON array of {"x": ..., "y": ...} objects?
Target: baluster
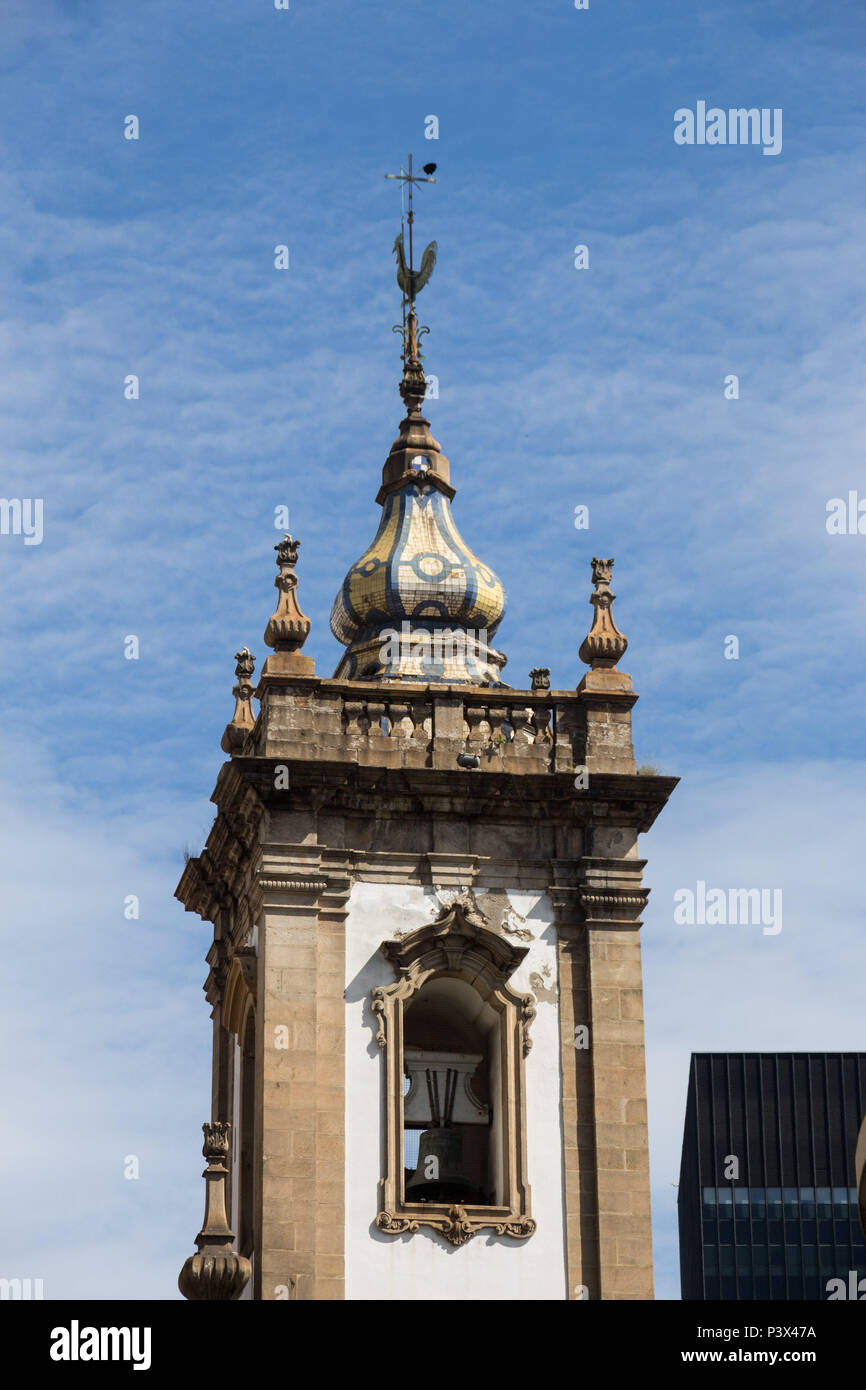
[
  {"x": 375, "y": 715},
  {"x": 521, "y": 718},
  {"x": 353, "y": 714},
  {"x": 541, "y": 724},
  {"x": 399, "y": 712},
  {"x": 476, "y": 718},
  {"x": 422, "y": 715}
]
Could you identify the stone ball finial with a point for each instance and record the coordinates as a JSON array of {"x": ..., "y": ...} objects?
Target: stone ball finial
[{"x": 604, "y": 644}]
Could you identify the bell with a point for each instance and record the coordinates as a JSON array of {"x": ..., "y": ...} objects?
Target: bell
[{"x": 439, "y": 1175}]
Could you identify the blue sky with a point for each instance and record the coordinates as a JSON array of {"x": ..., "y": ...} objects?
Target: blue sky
[{"x": 558, "y": 387}]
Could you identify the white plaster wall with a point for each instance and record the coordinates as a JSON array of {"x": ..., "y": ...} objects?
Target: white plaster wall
[{"x": 424, "y": 1265}]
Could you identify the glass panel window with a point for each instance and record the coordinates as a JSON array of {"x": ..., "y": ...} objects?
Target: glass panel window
[
  {"x": 709, "y": 1201},
  {"x": 759, "y": 1202},
  {"x": 726, "y": 1233},
  {"x": 744, "y": 1259},
  {"x": 711, "y": 1286},
  {"x": 777, "y": 1260},
  {"x": 774, "y": 1201},
  {"x": 791, "y": 1199},
  {"x": 760, "y": 1259},
  {"x": 840, "y": 1201},
  {"x": 711, "y": 1259},
  {"x": 807, "y": 1201},
  {"x": 741, "y": 1201},
  {"x": 726, "y": 1259},
  {"x": 810, "y": 1259},
  {"x": 742, "y": 1234},
  {"x": 826, "y": 1261},
  {"x": 793, "y": 1259},
  {"x": 729, "y": 1287},
  {"x": 726, "y": 1198},
  {"x": 822, "y": 1197}
]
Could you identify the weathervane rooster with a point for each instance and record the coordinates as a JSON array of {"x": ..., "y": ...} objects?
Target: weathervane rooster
[{"x": 412, "y": 281}]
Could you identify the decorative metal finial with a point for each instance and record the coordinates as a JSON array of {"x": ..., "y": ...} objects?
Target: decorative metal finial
[
  {"x": 216, "y": 1273},
  {"x": 288, "y": 628},
  {"x": 604, "y": 644},
  {"x": 243, "y": 719}
]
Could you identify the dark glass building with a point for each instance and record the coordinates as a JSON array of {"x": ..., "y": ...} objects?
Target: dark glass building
[{"x": 781, "y": 1221}]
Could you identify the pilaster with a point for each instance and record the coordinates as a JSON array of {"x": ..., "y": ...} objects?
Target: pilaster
[{"x": 301, "y": 1219}]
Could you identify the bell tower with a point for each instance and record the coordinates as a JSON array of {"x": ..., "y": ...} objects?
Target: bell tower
[{"x": 425, "y": 976}]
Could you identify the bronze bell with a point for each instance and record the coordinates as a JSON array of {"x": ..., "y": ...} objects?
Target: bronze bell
[{"x": 439, "y": 1175}]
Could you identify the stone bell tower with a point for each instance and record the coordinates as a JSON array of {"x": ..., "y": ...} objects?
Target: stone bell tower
[{"x": 425, "y": 977}]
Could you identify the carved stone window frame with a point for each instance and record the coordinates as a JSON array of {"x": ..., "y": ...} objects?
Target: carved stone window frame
[{"x": 457, "y": 945}]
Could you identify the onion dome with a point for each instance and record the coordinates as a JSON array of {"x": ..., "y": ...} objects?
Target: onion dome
[{"x": 418, "y": 605}]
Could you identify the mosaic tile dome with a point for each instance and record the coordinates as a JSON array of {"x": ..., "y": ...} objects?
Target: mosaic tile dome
[{"x": 418, "y": 605}]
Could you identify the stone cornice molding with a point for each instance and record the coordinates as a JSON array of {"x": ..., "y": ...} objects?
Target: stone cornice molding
[
  {"x": 214, "y": 879},
  {"x": 337, "y": 786},
  {"x": 293, "y": 885},
  {"x": 610, "y": 892}
]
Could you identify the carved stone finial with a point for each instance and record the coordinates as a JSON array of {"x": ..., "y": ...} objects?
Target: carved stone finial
[
  {"x": 217, "y": 1272},
  {"x": 288, "y": 628},
  {"x": 413, "y": 387},
  {"x": 243, "y": 719},
  {"x": 604, "y": 644},
  {"x": 540, "y": 677}
]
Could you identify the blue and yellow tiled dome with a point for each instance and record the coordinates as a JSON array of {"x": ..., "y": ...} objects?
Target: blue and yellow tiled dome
[{"x": 418, "y": 605}]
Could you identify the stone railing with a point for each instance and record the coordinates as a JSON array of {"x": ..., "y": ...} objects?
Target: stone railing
[
  {"x": 428, "y": 726},
  {"x": 483, "y": 723}
]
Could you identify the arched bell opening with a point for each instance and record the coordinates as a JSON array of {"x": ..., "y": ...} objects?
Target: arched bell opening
[
  {"x": 452, "y": 1140},
  {"x": 454, "y": 1036}
]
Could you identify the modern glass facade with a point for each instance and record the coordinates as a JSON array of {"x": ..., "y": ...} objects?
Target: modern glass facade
[{"x": 784, "y": 1223}]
